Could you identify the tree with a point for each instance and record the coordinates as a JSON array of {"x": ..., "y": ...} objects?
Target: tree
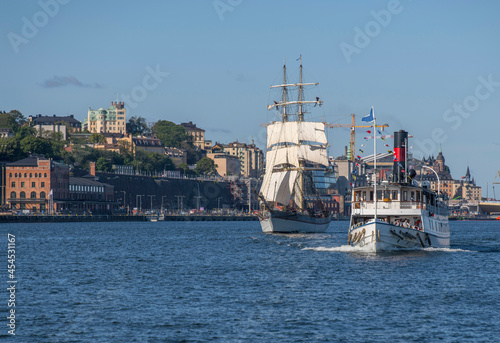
[
  {"x": 103, "y": 164},
  {"x": 13, "y": 120},
  {"x": 25, "y": 131},
  {"x": 97, "y": 138},
  {"x": 171, "y": 135},
  {"x": 35, "y": 145},
  {"x": 137, "y": 126},
  {"x": 10, "y": 149},
  {"x": 205, "y": 166}
]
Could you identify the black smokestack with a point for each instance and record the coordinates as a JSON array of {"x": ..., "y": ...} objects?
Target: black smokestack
[{"x": 400, "y": 142}]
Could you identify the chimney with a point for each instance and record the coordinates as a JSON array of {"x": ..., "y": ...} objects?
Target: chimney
[
  {"x": 400, "y": 143},
  {"x": 92, "y": 168},
  {"x": 345, "y": 153}
]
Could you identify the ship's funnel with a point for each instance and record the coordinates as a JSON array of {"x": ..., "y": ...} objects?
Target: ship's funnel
[{"x": 400, "y": 146}]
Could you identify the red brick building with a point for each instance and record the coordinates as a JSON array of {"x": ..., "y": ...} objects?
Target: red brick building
[{"x": 36, "y": 184}]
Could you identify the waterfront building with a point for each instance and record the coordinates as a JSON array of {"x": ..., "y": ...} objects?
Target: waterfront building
[
  {"x": 227, "y": 165},
  {"x": 90, "y": 196},
  {"x": 36, "y": 184},
  {"x": 55, "y": 123},
  {"x": 251, "y": 158},
  {"x": 177, "y": 155},
  {"x": 198, "y": 136},
  {"x": 117, "y": 141},
  {"x": 110, "y": 120}
]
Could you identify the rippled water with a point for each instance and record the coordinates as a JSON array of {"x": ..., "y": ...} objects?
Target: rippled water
[{"x": 228, "y": 282}]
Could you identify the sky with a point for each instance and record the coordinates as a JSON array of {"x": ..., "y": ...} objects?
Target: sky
[{"x": 428, "y": 67}]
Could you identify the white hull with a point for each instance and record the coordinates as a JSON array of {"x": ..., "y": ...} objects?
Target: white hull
[
  {"x": 294, "y": 224},
  {"x": 381, "y": 236}
]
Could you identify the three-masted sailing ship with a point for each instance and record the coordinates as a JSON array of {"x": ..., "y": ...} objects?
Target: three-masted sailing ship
[{"x": 296, "y": 155}]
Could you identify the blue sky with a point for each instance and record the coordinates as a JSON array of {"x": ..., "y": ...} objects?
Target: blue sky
[{"x": 213, "y": 63}]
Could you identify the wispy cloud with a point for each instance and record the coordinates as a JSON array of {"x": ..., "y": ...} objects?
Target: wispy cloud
[
  {"x": 219, "y": 130},
  {"x": 61, "y": 81}
]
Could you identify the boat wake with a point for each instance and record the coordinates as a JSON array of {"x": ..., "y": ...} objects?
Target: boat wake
[
  {"x": 342, "y": 248},
  {"x": 357, "y": 249}
]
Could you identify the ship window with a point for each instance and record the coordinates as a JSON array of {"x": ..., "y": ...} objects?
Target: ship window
[
  {"x": 364, "y": 196},
  {"x": 418, "y": 196},
  {"x": 379, "y": 195},
  {"x": 386, "y": 194},
  {"x": 394, "y": 195},
  {"x": 412, "y": 196},
  {"x": 405, "y": 196},
  {"x": 371, "y": 195}
]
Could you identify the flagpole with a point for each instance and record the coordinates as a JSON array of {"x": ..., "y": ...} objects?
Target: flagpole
[{"x": 375, "y": 161}]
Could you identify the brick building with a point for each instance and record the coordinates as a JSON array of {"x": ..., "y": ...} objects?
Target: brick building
[{"x": 37, "y": 184}]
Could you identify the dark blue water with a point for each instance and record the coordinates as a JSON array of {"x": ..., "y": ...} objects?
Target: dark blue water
[{"x": 228, "y": 282}]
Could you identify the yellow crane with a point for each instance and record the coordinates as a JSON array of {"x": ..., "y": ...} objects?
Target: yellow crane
[{"x": 353, "y": 127}]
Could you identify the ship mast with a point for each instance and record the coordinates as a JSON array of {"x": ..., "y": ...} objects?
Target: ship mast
[
  {"x": 301, "y": 114},
  {"x": 285, "y": 115}
]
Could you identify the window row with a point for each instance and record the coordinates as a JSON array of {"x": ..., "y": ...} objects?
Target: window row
[
  {"x": 79, "y": 188},
  {"x": 26, "y": 174},
  {"x": 22, "y": 184},
  {"x": 22, "y": 195}
]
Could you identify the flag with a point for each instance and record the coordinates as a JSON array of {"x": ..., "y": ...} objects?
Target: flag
[
  {"x": 363, "y": 145},
  {"x": 383, "y": 138},
  {"x": 354, "y": 177},
  {"x": 379, "y": 132},
  {"x": 50, "y": 193},
  {"x": 365, "y": 138},
  {"x": 355, "y": 172},
  {"x": 399, "y": 164},
  {"x": 463, "y": 177},
  {"x": 389, "y": 151},
  {"x": 369, "y": 132},
  {"x": 357, "y": 164},
  {"x": 370, "y": 117},
  {"x": 358, "y": 157},
  {"x": 361, "y": 150},
  {"x": 387, "y": 145}
]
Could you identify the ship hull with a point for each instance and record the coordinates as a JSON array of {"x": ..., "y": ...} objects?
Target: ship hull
[
  {"x": 380, "y": 236},
  {"x": 276, "y": 222}
]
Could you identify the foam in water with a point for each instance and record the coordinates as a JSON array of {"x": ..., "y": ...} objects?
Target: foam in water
[
  {"x": 350, "y": 248},
  {"x": 342, "y": 248}
]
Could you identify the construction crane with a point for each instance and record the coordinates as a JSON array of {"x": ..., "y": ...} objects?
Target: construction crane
[
  {"x": 495, "y": 183},
  {"x": 353, "y": 127}
]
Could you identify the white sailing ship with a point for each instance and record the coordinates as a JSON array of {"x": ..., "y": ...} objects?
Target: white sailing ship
[
  {"x": 398, "y": 214},
  {"x": 296, "y": 155}
]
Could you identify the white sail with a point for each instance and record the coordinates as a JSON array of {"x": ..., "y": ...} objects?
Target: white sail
[
  {"x": 312, "y": 132},
  {"x": 313, "y": 154},
  {"x": 279, "y": 187},
  {"x": 282, "y": 132}
]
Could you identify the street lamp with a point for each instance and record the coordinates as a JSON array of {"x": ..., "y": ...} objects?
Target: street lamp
[
  {"x": 124, "y": 196},
  {"x": 218, "y": 203},
  {"x": 162, "y": 207},
  {"x": 151, "y": 196},
  {"x": 436, "y": 176}
]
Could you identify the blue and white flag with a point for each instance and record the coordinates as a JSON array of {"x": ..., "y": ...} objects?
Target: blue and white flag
[{"x": 370, "y": 117}]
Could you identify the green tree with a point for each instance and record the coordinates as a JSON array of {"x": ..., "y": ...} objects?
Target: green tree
[
  {"x": 205, "y": 166},
  {"x": 10, "y": 149},
  {"x": 35, "y": 145},
  {"x": 171, "y": 135},
  {"x": 13, "y": 120},
  {"x": 97, "y": 138},
  {"x": 25, "y": 131},
  {"x": 103, "y": 164},
  {"x": 137, "y": 126}
]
